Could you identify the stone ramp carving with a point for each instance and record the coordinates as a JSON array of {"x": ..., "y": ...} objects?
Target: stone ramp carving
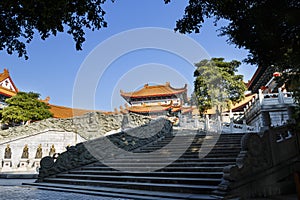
[{"x": 265, "y": 166}]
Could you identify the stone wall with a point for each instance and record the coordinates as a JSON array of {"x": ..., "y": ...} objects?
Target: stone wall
[
  {"x": 60, "y": 140},
  {"x": 88, "y": 126}
]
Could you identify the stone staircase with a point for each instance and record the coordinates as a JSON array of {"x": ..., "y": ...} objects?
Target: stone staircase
[{"x": 141, "y": 175}]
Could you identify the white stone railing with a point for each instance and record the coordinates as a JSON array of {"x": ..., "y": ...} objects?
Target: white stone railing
[
  {"x": 276, "y": 102},
  {"x": 274, "y": 99},
  {"x": 216, "y": 126},
  {"x": 238, "y": 128}
]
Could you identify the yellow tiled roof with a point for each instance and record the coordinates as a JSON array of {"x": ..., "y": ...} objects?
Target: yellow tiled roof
[{"x": 156, "y": 90}]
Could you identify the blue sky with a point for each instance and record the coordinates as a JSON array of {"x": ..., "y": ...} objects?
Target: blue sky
[{"x": 54, "y": 64}]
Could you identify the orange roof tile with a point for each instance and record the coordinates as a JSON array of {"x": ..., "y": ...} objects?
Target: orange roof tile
[
  {"x": 156, "y": 90},
  {"x": 66, "y": 112}
]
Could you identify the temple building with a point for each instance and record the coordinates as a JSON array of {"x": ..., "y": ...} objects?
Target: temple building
[{"x": 157, "y": 100}]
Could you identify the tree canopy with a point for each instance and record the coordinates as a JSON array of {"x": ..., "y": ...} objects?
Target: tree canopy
[
  {"x": 20, "y": 20},
  {"x": 269, "y": 29},
  {"x": 24, "y": 107},
  {"x": 217, "y": 85}
]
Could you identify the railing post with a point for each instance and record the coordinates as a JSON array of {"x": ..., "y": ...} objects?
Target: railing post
[
  {"x": 280, "y": 96},
  {"x": 260, "y": 96},
  {"x": 231, "y": 125}
]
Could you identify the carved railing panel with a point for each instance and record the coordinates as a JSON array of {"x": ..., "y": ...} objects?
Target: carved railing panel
[{"x": 263, "y": 162}]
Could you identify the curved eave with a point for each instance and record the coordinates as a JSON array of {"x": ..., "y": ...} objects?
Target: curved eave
[
  {"x": 6, "y": 92},
  {"x": 150, "y": 109}
]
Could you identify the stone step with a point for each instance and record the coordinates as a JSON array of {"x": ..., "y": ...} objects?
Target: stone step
[
  {"x": 181, "y": 161},
  {"x": 227, "y": 145},
  {"x": 143, "y": 179},
  {"x": 194, "y": 141},
  {"x": 191, "y": 151},
  {"x": 188, "y": 151},
  {"x": 164, "y": 163},
  {"x": 198, "y": 139},
  {"x": 153, "y": 174},
  {"x": 120, "y": 193},
  {"x": 167, "y": 169},
  {"x": 185, "y": 157},
  {"x": 148, "y": 176},
  {"x": 218, "y": 157},
  {"x": 181, "y": 188}
]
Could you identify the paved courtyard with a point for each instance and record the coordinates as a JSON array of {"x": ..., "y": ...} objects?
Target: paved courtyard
[{"x": 13, "y": 189}]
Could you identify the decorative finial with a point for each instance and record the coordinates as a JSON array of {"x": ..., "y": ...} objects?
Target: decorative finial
[{"x": 5, "y": 71}]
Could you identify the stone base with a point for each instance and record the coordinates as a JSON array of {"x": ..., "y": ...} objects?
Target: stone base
[
  {"x": 6, "y": 165},
  {"x": 36, "y": 163},
  {"x": 23, "y": 164}
]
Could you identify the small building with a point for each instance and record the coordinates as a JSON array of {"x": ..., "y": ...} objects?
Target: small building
[
  {"x": 7, "y": 87},
  {"x": 157, "y": 100}
]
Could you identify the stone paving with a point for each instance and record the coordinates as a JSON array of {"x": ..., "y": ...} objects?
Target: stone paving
[{"x": 12, "y": 189}]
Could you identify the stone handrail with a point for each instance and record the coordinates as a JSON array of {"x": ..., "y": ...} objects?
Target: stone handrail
[
  {"x": 264, "y": 160},
  {"x": 79, "y": 155}
]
